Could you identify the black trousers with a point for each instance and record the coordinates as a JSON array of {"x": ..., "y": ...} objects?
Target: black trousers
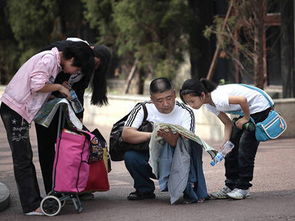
[
  {"x": 17, "y": 130},
  {"x": 46, "y": 138},
  {"x": 239, "y": 163}
]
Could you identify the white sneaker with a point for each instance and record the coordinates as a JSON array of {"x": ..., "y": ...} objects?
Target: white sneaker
[
  {"x": 37, "y": 212},
  {"x": 221, "y": 194},
  {"x": 239, "y": 194},
  {"x": 34, "y": 213}
]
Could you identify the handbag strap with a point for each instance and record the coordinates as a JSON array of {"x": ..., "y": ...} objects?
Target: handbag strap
[
  {"x": 271, "y": 103},
  {"x": 145, "y": 113},
  {"x": 87, "y": 134}
]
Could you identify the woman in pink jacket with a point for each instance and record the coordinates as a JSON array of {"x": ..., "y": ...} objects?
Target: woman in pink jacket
[{"x": 22, "y": 99}]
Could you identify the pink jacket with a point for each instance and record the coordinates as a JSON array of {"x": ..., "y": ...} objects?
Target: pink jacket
[{"x": 21, "y": 93}]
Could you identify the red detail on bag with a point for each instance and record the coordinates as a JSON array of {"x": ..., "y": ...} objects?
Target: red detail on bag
[{"x": 98, "y": 177}]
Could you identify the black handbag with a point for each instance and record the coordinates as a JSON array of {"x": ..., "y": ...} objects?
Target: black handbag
[{"x": 118, "y": 147}]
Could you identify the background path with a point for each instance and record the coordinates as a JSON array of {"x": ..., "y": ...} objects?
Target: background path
[{"x": 273, "y": 191}]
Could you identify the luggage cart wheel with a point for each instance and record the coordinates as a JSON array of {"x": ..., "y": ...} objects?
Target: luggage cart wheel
[{"x": 50, "y": 205}]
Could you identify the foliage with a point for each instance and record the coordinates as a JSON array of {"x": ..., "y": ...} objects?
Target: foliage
[
  {"x": 239, "y": 37},
  {"x": 99, "y": 15},
  {"x": 30, "y": 20},
  {"x": 155, "y": 31},
  {"x": 27, "y": 26}
]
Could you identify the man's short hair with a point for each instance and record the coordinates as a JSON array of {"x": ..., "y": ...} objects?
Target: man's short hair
[{"x": 160, "y": 85}]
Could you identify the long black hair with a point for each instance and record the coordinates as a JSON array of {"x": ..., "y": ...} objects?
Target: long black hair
[
  {"x": 196, "y": 87},
  {"x": 87, "y": 58},
  {"x": 98, "y": 81},
  {"x": 96, "y": 78}
]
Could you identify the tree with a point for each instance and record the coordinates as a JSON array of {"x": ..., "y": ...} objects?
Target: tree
[
  {"x": 287, "y": 52},
  {"x": 154, "y": 33},
  {"x": 8, "y": 44},
  {"x": 29, "y": 25},
  {"x": 31, "y": 21},
  {"x": 242, "y": 37},
  {"x": 99, "y": 14},
  {"x": 200, "y": 48}
]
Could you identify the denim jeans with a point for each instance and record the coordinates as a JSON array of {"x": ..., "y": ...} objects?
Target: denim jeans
[
  {"x": 17, "y": 130},
  {"x": 196, "y": 188},
  {"x": 239, "y": 163},
  {"x": 137, "y": 164}
]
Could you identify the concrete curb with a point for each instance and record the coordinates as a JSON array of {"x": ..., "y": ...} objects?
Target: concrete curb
[{"x": 4, "y": 197}]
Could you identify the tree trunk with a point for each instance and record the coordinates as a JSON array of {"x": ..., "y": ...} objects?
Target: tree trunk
[
  {"x": 201, "y": 49},
  {"x": 236, "y": 56},
  {"x": 287, "y": 48},
  {"x": 259, "y": 61},
  {"x": 216, "y": 53},
  {"x": 130, "y": 76},
  {"x": 140, "y": 81}
]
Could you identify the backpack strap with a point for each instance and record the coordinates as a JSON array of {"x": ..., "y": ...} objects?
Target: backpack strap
[
  {"x": 271, "y": 103},
  {"x": 145, "y": 113}
]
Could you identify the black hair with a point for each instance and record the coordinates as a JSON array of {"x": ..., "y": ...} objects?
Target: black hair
[
  {"x": 99, "y": 82},
  {"x": 196, "y": 87},
  {"x": 83, "y": 56},
  {"x": 160, "y": 85},
  {"x": 96, "y": 78}
]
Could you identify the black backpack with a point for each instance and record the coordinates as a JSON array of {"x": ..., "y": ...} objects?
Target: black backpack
[{"x": 118, "y": 147}]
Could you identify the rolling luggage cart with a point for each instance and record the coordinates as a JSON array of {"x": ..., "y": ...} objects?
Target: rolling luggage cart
[{"x": 52, "y": 204}]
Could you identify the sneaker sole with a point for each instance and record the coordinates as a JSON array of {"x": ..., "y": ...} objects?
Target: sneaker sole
[
  {"x": 244, "y": 197},
  {"x": 211, "y": 197},
  {"x": 141, "y": 197},
  {"x": 34, "y": 213}
]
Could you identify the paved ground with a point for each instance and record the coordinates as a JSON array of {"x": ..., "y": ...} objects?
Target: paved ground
[{"x": 273, "y": 193}]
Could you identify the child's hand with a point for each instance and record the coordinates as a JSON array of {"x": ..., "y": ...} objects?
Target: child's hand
[{"x": 239, "y": 123}]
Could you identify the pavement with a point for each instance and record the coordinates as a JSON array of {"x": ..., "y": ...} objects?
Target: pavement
[
  {"x": 4, "y": 196},
  {"x": 272, "y": 194}
]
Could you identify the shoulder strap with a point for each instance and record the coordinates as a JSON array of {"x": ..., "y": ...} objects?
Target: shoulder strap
[
  {"x": 145, "y": 113},
  {"x": 261, "y": 92}
]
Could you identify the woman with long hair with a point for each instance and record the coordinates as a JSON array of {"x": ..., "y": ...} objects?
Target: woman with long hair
[{"x": 46, "y": 137}]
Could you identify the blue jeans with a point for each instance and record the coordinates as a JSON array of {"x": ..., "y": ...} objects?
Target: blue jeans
[
  {"x": 17, "y": 130},
  {"x": 196, "y": 188},
  {"x": 137, "y": 164}
]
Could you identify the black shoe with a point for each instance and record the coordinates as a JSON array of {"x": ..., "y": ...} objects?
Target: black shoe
[{"x": 141, "y": 196}]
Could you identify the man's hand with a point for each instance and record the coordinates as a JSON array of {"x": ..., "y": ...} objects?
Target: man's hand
[
  {"x": 168, "y": 136},
  {"x": 133, "y": 136}
]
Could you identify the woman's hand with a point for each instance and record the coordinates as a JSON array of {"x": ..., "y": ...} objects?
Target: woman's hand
[
  {"x": 48, "y": 88},
  {"x": 66, "y": 85},
  {"x": 64, "y": 90}
]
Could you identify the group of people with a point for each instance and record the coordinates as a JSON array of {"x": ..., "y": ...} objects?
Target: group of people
[
  {"x": 221, "y": 101},
  {"x": 72, "y": 64},
  {"x": 61, "y": 66}
]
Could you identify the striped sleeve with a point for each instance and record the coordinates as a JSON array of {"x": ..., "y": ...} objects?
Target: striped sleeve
[
  {"x": 189, "y": 117},
  {"x": 135, "y": 117}
]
